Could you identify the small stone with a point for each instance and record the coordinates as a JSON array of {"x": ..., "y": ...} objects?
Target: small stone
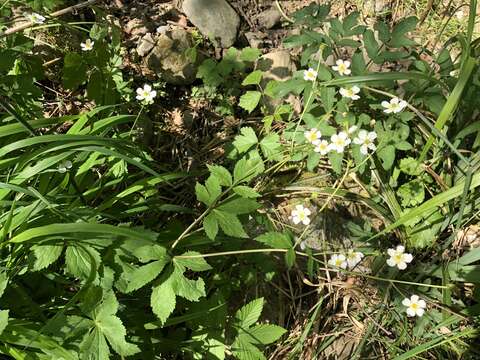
[
  {"x": 145, "y": 45},
  {"x": 254, "y": 39},
  {"x": 169, "y": 59},
  {"x": 136, "y": 27},
  {"x": 269, "y": 18},
  {"x": 215, "y": 19}
]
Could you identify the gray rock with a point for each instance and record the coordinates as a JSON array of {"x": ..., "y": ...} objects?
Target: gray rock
[
  {"x": 255, "y": 40},
  {"x": 269, "y": 18},
  {"x": 145, "y": 45},
  {"x": 169, "y": 57},
  {"x": 215, "y": 19},
  {"x": 277, "y": 65}
]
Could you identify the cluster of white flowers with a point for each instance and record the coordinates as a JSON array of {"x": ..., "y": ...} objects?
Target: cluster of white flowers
[
  {"x": 350, "y": 260},
  {"x": 339, "y": 141},
  {"x": 146, "y": 94},
  {"x": 395, "y": 105},
  {"x": 35, "y": 18}
]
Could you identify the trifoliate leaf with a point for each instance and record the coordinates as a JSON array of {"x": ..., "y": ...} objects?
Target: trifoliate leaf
[
  {"x": 194, "y": 264},
  {"x": 230, "y": 224},
  {"x": 210, "y": 225},
  {"x": 248, "y": 314},
  {"x": 223, "y": 175},
  {"x": 246, "y": 140},
  {"x": 250, "y": 100},
  {"x": 271, "y": 147}
]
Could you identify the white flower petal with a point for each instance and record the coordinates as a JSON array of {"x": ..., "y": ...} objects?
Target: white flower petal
[
  {"x": 410, "y": 312},
  {"x": 420, "y": 312},
  {"x": 401, "y": 265},
  {"x": 414, "y": 298},
  {"x": 422, "y": 303},
  {"x": 400, "y": 248}
]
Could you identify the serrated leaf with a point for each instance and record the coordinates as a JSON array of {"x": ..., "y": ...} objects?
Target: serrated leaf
[
  {"x": 213, "y": 186},
  {"x": 264, "y": 334},
  {"x": 94, "y": 346},
  {"x": 163, "y": 301},
  {"x": 387, "y": 155},
  {"x": 202, "y": 194},
  {"x": 398, "y": 38},
  {"x": 410, "y": 166},
  {"x": 250, "y": 100},
  {"x": 3, "y": 282},
  {"x": 230, "y": 224},
  {"x": 246, "y": 140},
  {"x": 249, "y": 314},
  {"x": 275, "y": 240},
  {"x": 45, "y": 255},
  {"x": 194, "y": 264},
  {"x": 243, "y": 350},
  {"x": 271, "y": 147},
  {"x": 312, "y": 160},
  {"x": 189, "y": 289},
  {"x": 140, "y": 276},
  {"x": 210, "y": 225},
  {"x": 290, "y": 257},
  {"x": 253, "y": 78},
  {"x": 151, "y": 252},
  {"x": 239, "y": 206},
  {"x": 245, "y": 191},
  {"x": 336, "y": 161},
  {"x": 78, "y": 260},
  {"x": 223, "y": 175},
  {"x": 3, "y": 320},
  {"x": 112, "y": 328}
]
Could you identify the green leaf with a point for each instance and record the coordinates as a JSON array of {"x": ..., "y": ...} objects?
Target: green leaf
[
  {"x": 243, "y": 350},
  {"x": 245, "y": 191},
  {"x": 271, "y": 147},
  {"x": 45, "y": 255},
  {"x": 290, "y": 257},
  {"x": 189, "y": 289},
  {"x": 264, "y": 334},
  {"x": 210, "y": 225},
  {"x": 194, "y": 264},
  {"x": 312, "y": 160},
  {"x": 3, "y": 282},
  {"x": 213, "y": 186},
  {"x": 246, "y": 140},
  {"x": 250, "y": 54},
  {"x": 398, "y": 38},
  {"x": 327, "y": 95},
  {"x": 162, "y": 300},
  {"x": 410, "y": 166},
  {"x": 94, "y": 346},
  {"x": 239, "y": 206},
  {"x": 78, "y": 260},
  {"x": 113, "y": 329},
  {"x": 387, "y": 155},
  {"x": 248, "y": 314},
  {"x": 3, "y": 320},
  {"x": 336, "y": 161},
  {"x": 230, "y": 224},
  {"x": 140, "y": 276},
  {"x": 74, "y": 71},
  {"x": 202, "y": 194},
  {"x": 253, "y": 78},
  {"x": 275, "y": 240},
  {"x": 250, "y": 100},
  {"x": 223, "y": 175}
]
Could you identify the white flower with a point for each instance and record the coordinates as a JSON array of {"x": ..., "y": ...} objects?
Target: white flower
[
  {"x": 300, "y": 215},
  {"x": 342, "y": 67},
  {"x": 310, "y": 74},
  {"x": 394, "y": 106},
  {"x": 352, "y": 129},
  {"x": 64, "y": 166},
  {"x": 399, "y": 258},
  {"x": 313, "y": 136},
  {"x": 303, "y": 245},
  {"x": 146, "y": 94},
  {"x": 35, "y": 18},
  {"x": 350, "y": 93},
  {"x": 322, "y": 147},
  {"x": 415, "y": 305},
  {"x": 339, "y": 141},
  {"x": 338, "y": 260},
  {"x": 354, "y": 258},
  {"x": 87, "y": 45},
  {"x": 365, "y": 140}
]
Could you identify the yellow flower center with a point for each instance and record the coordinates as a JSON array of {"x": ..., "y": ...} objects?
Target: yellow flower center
[
  {"x": 338, "y": 262},
  {"x": 342, "y": 68},
  {"x": 398, "y": 258},
  {"x": 414, "y": 306}
]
